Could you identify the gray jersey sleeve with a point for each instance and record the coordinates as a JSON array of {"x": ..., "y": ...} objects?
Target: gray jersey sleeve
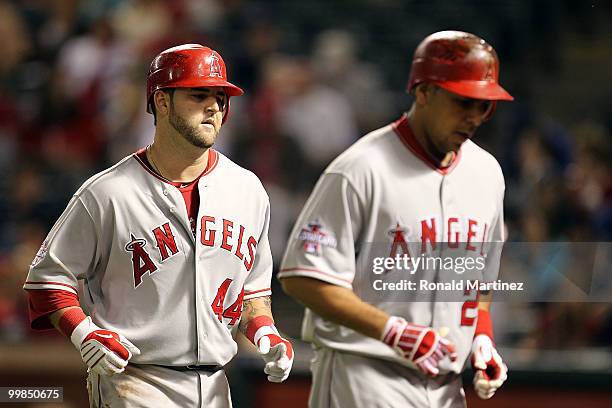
[
  {"x": 68, "y": 252},
  {"x": 258, "y": 280},
  {"x": 323, "y": 241}
]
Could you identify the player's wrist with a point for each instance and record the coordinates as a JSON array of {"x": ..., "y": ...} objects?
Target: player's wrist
[
  {"x": 259, "y": 327},
  {"x": 392, "y": 330},
  {"x": 69, "y": 320},
  {"x": 82, "y": 330},
  {"x": 484, "y": 324}
]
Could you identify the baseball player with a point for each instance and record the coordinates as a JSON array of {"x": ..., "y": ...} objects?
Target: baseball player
[
  {"x": 409, "y": 185},
  {"x": 159, "y": 260}
]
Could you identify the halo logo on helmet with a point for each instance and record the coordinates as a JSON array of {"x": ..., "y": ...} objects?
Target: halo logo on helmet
[
  {"x": 461, "y": 63},
  {"x": 215, "y": 67},
  {"x": 189, "y": 66}
]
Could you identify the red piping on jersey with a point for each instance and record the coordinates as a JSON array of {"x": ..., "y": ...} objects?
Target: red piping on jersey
[
  {"x": 403, "y": 130},
  {"x": 213, "y": 160},
  {"x": 256, "y": 291},
  {"x": 314, "y": 270},
  {"x": 50, "y": 283}
]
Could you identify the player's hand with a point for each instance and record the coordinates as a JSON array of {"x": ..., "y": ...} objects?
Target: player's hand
[
  {"x": 104, "y": 352},
  {"x": 276, "y": 352},
  {"x": 420, "y": 344},
  {"x": 490, "y": 370}
]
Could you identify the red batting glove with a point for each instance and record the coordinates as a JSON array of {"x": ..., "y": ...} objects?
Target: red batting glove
[
  {"x": 276, "y": 351},
  {"x": 420, "y": 344},
  {"x": 490, "y": 370},
  {"x": 104, "y": 352}
]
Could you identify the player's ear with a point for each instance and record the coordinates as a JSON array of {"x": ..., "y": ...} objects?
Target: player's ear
[
  {"x": 162, "y": 101},
  {"x": 422, "y": 93}
]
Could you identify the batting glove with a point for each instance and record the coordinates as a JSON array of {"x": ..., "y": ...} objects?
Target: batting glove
[
  {"x": 276, "y": 352},
  {"x": 490, "y": 370},
  {"x": 104, "y": 352},
  {"x": 420, "y": 344}
]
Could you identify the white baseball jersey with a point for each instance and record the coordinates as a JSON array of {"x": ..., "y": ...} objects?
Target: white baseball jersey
[
  {"x": 385, "y": 191},
  {"x": 124, "y": 244}
]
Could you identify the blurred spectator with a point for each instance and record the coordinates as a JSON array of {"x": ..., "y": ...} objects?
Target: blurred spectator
[
  {"x": 16, "y": 47},
  {"x": 50, "y": 22},
  {"x": 14, "y": 323},
  {"x": 265, "y": 147},
  {"x": 260, "y": 40},
  {"x": 316, "y": 116},
  {"x": 203, "y": 15},
  {"x": 139, "y": 22},
  {"x": 16, "y": 44},
  {"x": 96, "y": 56},
  {"x": 589, "y": 179},
  {"x": 336, "y": 64}
]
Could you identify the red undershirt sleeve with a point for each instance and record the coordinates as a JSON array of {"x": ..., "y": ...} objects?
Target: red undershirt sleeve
[{"x": 42, "y": 303}]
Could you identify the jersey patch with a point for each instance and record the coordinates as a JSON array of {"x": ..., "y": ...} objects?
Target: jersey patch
[
  {"x": 42, "y": 252},
  {"x": 315, "y": 236}
]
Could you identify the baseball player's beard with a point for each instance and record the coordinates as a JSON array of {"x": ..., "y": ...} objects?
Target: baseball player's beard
[
  {"x": 434, "y": 150},
  {"x": 191, "y": 133},
  {"x": 439, "y": 148}
]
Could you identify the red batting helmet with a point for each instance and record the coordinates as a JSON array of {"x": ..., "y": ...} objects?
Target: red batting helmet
[
  {"x": 461, "y": 63},
  {"x": 189, "y": 66}
]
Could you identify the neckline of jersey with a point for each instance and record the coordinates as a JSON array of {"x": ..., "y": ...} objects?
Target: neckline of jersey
[
  {"x": 213, "y": 160},
  {"x": 404, "y": 132}
]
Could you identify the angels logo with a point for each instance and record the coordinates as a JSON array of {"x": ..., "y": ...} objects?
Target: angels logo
[
  {"x": 215, "y": 66},
  {"x": 314, "y": 237},
  {"x": 400, "y": 243},
  {"x": 141, "y": 261}
]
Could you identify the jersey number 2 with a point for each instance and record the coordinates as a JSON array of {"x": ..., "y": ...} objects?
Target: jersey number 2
[
  {"x": 469, "y": 305},
  {"x": 233, "y": 311}
]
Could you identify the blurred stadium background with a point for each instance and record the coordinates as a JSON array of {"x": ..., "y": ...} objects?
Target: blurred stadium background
[{"x": 318, "y": 74}]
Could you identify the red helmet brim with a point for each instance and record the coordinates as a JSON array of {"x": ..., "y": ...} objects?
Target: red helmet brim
[
  {"x": 230, "y": 89},
  {"x": 486, "y": 90}
]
